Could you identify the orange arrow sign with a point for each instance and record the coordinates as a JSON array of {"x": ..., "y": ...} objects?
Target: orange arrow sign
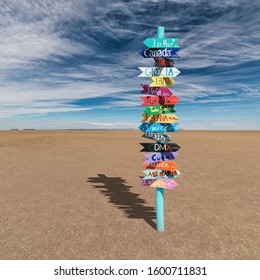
[{"x": 162, "y": 165}]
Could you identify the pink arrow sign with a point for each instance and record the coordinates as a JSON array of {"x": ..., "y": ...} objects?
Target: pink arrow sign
[
  {"x": 164, "y": 183},
  {"x": 159, "y": 91}
]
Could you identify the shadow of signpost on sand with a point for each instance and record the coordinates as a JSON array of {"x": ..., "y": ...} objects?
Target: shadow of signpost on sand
[{"x": 119, "y": 194}]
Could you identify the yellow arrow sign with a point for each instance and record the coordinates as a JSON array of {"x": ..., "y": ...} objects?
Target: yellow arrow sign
[
  {"x": 161, "y": 82},
  {"x": 163, "y": 118}
]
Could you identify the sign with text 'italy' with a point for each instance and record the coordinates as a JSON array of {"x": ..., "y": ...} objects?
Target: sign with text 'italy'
[
  {"x": 161, "y": 42},
  {"x": 159, "y": 71}
]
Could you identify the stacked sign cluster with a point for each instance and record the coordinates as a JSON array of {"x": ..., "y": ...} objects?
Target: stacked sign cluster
[{"x": 159, "y": 115}]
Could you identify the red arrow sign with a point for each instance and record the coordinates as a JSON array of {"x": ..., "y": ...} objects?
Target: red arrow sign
[
  {"x": 162, "y": 165},
  {"x": 159, "y": 100}
]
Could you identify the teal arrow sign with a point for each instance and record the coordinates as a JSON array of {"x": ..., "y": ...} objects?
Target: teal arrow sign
[{"x": 161, "y": 42}]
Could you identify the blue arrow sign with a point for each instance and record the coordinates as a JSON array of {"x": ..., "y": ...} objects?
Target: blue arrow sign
[
  {"x": 161, "y": 42},
  {"x": 162, "y": 53},
  {"x": 158, "y": 127}
]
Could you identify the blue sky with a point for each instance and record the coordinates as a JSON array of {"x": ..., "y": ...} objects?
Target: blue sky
[{"x": 74, "y": 64}]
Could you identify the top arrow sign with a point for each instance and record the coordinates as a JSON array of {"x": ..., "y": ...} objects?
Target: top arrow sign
[{"x": 161, "y": 42}]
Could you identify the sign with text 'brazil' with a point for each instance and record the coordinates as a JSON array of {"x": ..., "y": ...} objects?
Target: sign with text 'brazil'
[
  {"x": 162, "y": 165},
  {"x": 161, "y": 109},
  {"x": 162, "y": 53},
  {"x": 156, "y": 147},
  {"x": 158, "y": 127},
  {"x": 160, "y": 174},
  {"x": 156, "y": 157},
  {"x": 164, "y": 118},
  {"x": 159, "y": 100},
  {"x": 159, "y": 71},
  {"x": 161, "y": 82},
  {"x": 161, "y": 42},
  {"x": 160, "y": 137},
  {"x": 159, "y": 91}
]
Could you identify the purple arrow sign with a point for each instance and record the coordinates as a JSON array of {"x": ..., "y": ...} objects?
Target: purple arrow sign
[
  {"x": 159, "y": 91},
  {"x": 146, "y": 182},
  {"x": 156, "y": 157}
]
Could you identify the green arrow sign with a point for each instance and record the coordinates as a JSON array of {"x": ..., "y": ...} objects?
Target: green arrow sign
[
  {"x": 157, "y": 110},
  {"x": 161, "y": 42}
]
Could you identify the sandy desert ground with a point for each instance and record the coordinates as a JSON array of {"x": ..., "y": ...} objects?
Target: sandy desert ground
[{"x": 76, "y": 195}]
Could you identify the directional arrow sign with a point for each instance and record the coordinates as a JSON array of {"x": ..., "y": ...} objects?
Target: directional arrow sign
[
  {"x": 159, "y": 91},
  {"x": 162, "y": 53},
  {"x": 159, "y": 100},
  {"x": 156, "y": 147},
  {"x": 162, "y": 138},
  {"x": 163, "y": 62},
  {"x": 156, "y": 157},
  {"x": 161, "y": 42},
  {"x": 162, "y": 165},
  {"x": 157, "y": 110},
  {"x": 159, "y": 71},
  {"x": 161, "y": 81},
  {"x": 161, "y": 174},
  {"x": 158, "y": 127},
  {"x": 163, "y": 183},
  {"x": 146, "y": 182},
  {"x": 164, "y": 118}
]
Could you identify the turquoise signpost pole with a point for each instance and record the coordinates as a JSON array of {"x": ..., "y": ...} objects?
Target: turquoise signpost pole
[{"x": 160, "y": 191}]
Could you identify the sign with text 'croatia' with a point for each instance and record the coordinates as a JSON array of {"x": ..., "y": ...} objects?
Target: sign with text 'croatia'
[
  {"x": 161, "y": 42},
  {"x": 157, "y": 147},
  {"x": 162, "y": 53},
  {"x": 159, "y": 71},
  {"x": 159, "y": 100},
  {"x": 156, "y": 157},
  {"x": 159, "y": 91}
]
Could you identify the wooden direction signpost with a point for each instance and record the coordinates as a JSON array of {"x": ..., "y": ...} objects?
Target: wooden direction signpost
[{"x": 158, "y": 118}]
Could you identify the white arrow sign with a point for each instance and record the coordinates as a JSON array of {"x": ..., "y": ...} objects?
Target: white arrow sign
[{"x": 159, "y": 71}]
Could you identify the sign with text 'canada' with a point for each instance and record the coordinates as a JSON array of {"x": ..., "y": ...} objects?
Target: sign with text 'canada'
[
  {"x": 162, "y": 165},
  {"x": 159, "y": 91},
  {"x": 161, "y": 42},
  {"x": 162, "y": 53},
  {"x": 159, "y": 100},
  {"x": 158, "y": 127},
  {"x": 159, "y": 71},
  {"x": 163, "y": 183},
  {"x": 160, "y": 174},
  {"x": 156, "y": 147},
  {"x": 156, "y": 157},
  {"x": 164, "y": 118},
  {"x": 162, "y": 138},
  {"x": 161, "y": 82},
  {"x": 161, "y": 109}
]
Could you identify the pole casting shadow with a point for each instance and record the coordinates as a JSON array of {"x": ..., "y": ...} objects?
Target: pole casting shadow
[{"x": 118, "y": 193}]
